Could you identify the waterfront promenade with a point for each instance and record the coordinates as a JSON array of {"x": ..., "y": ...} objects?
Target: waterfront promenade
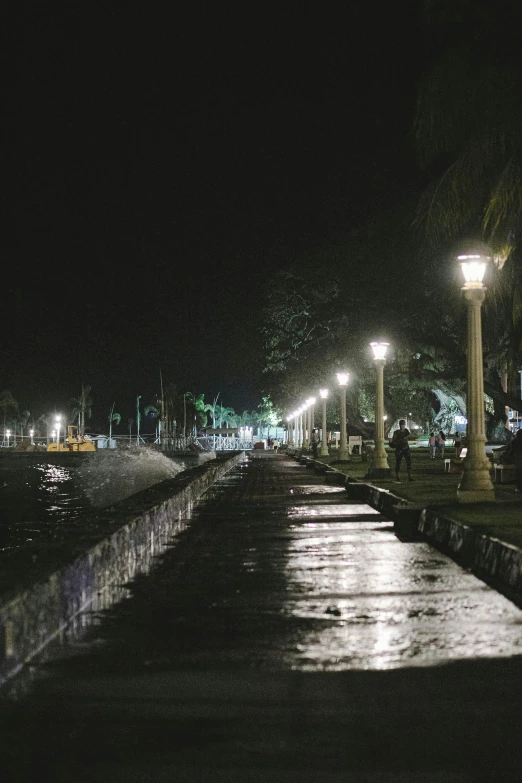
[{"x": 286, "y": 635}]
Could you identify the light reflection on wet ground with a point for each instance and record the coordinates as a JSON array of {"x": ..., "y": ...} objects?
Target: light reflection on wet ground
[{"x": 274, "y": 581}]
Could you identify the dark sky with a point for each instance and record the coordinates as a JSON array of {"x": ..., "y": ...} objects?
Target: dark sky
[{"x": 156, "y": 169}]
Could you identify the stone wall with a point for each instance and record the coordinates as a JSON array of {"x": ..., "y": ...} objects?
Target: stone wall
[{"x": 132, "y": 533}]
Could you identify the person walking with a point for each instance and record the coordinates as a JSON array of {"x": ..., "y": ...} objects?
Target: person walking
[
  {"x": 514, "y": 452},
  {"x": 432, "y": 443},
  {"x": 399, "y": 442},
  {"x": 315, "y": 442},
  {"x": 457, "y": 441},
  {"x": 441, "y": 442}
]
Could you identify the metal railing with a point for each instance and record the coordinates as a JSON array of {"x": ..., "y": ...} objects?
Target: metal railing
[{"x": 225, "y": 443}]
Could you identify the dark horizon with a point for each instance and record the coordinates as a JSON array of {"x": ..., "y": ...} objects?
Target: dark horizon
[{"x": 158, "y": 171}]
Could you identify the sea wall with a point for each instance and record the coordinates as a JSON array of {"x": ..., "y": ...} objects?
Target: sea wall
[{"x": 131, "y": 534}]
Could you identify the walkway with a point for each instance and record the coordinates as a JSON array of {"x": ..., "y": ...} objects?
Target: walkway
[{"x": 275, "y": 641}]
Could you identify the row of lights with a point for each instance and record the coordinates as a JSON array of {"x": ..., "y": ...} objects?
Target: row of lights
[
  {"x": 54, "y": 433},
  {"x": 302, "y": 429},
  {"x": 476, "y": 482}
]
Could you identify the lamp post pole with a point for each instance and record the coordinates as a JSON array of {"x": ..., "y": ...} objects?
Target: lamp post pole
[
  {"x": 57, "y": 425},
  {"x": 342, "y": 377},
  {"x": 476, "y": 485},
  {"x": 310, "y": 403},
  {"x": 290, "y": 435},
  {"x": 324, "y": 439},
  {"x": 380, "y": 467},
  {"x": 304, "y": 427}
]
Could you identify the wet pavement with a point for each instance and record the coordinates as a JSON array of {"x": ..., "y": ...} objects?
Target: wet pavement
[{"x": 287, "y": 633}]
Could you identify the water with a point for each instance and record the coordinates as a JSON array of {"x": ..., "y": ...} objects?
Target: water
[{"x": 40, "y": 499}]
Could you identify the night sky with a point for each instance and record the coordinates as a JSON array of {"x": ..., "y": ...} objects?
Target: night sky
[{"x": 157, "y": 169}]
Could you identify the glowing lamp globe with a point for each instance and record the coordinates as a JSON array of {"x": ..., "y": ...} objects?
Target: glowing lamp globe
[
  {"x": 379, "y": 350},
  {"x": 311, "y": 401},
  {"x": 342, "y": 378},
  {"x": 323, "y": 393},
  {"x": 473, "y": 268}
]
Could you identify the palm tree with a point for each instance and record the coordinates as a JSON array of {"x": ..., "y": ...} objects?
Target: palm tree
[
  {"x": 469, "y": 121},
  {"x": 82, "y": 407},
  {"x": 151, "y": 412},
  {"x": 113, "y": 417},
  {"x": 8, "y": 407},
  {"x": 198, "y": 404},
  {"x": 224, "y": 415},
  {"x": 212, "y": 408},
  {"x": 23, "y": 418}
]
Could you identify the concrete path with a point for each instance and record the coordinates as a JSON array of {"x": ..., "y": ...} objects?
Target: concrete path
[{"x": 286, "y": 635}]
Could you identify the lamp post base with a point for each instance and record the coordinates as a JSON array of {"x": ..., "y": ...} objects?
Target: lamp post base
[
  {"x": 475, "y": 495},
  {"x": 378, "y": 473}
]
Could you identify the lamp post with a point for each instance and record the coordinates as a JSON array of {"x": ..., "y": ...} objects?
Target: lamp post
[
  {"x": 342, "y": 378},
  {"x": 31, "y": 433},
  {"x": 290, "y": 438},
  {"x": 324, "y": 442},
  {"x": 8, "y": 434},
  {"x": 57, "y": 425},
  {"x": 310, "y": 405},
  {"x": 304, "y": 408},
  {"x": 299, "y": 427},
  {"x": 475, "y": 485},
  {"x": 380, "y": 467},
  {"x": 53, "y": 436}
]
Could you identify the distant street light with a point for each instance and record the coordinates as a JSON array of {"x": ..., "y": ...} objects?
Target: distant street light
[
  {"x": 306, "y": 442},
  {"x": 380, "y": 465},
  {"x": 310, "y": 403},
  {"x": 324, "y": 439},
  {"x": 57, "y": 425},
  {"x": 342, "y": 378},
  {"x": 476, "y": 485},
  {"x": 299, "y": 417},
  {"x": 290, "y": 433}
]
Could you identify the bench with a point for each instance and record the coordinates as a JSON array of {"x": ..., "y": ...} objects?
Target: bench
[{"x": 504, "y": 474}]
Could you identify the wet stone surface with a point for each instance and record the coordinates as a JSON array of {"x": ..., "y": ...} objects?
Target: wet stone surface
[
  {"x": 279, "y": 570},
  {"x": 286, "y": 636}
]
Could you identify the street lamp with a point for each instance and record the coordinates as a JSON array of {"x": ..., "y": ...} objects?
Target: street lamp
[
  {"x": 310, "y": 403},
  {"x": 380, "y": 467},
  {"x": 342, "y": 378},
  {"x": 304, "y": 425},
  {"x": 57, "y": 425},
  {"x": 324, "y": 442},
  {"x": 475, "y": 485},
  {"x": 290, "y": 435},
  {"x": 299, "y": 419}
]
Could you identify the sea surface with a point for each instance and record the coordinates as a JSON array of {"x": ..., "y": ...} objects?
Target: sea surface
[{"x": 41, "y": 498}]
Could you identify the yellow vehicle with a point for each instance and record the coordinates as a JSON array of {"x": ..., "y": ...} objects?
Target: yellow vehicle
[{"x": 74, "y": 442}]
